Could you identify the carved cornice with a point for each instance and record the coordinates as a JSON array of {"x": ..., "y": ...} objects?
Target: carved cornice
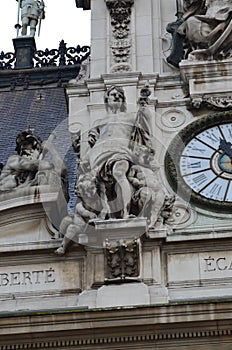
[
  {"x": 181, "y": 325},
  {"x": 208, "y": 82},
  {"x": 219, "y": 101},
  {"x": 125, "y": 340}
]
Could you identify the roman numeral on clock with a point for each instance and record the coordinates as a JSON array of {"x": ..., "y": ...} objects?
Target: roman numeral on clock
[{"x": 200, "y": 179}]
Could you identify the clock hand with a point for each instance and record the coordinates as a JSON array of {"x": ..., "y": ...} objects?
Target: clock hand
[{"x": 226, "y": 147}]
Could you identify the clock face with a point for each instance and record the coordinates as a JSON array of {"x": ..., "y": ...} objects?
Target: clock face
[{"x": 199, "y": 162}]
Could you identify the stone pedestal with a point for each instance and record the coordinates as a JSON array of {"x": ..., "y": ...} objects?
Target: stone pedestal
[
  {"x": 121, "y": 295},
  {"x": 208, "y": 82},
  {"x": 24, "y": 49},
  {"x": 115, "y": 230}
]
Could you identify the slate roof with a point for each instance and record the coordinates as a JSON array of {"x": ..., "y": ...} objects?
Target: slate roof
[
  {"x": 32, "y": 95},
  {"x": 44, "y": 110}
]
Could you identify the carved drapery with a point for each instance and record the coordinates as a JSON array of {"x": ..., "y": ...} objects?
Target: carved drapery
[
  {"x": 120, "y": 13},
  {"x": 202, "y": 31}
]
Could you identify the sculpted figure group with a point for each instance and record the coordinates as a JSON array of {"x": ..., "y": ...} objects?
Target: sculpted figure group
[
  {"x": 118, "y": 176},
  {"x": 204, "y": 32},
  {"x": 208, "y": 28},
  {"x": 29, "y": 168}
]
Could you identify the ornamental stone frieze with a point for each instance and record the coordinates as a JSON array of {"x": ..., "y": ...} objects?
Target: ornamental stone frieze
[
  {"x": 222, "y": 102},
  {"x": 121, "y": 42}
]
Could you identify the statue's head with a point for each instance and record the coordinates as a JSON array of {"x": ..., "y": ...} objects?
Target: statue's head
[
  {"x": 115, "y": 100},
  {"x": 86, "y": 186},
  {"x": 28, "y": 144}
]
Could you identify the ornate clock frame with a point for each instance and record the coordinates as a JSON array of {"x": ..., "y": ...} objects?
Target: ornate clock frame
[{"x": 172, "y": 162}]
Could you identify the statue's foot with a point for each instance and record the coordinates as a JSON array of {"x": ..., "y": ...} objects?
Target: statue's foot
[
  {"x": 129, "y": 216},
  {"x": 60, "y": 251},
  {"x": 155, "y": 225}
]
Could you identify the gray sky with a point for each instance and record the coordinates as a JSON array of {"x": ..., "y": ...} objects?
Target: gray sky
[{"x": 63, "y": 20}]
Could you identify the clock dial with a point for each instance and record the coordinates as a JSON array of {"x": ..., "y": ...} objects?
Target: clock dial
[{"x": 199, "y": 162}]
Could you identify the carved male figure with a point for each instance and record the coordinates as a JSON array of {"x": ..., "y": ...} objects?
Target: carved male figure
[
  {"x": 32, "y": 11},
  {"x": 110, "y": 154}
]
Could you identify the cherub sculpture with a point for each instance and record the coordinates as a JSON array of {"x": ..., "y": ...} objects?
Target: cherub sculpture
[
  {"x": 148, "y": 193},
  {"x": 88, "y": 208}
]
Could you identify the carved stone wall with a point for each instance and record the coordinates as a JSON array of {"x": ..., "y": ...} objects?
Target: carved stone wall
[{"x": 163, "y": 287}]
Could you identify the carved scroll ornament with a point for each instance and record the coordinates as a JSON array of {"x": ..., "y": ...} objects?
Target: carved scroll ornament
[
  {"x": 122, "y": 259},
  {"x": 120, "y": 13}
]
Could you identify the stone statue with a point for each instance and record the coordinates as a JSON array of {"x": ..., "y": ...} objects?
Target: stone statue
[
  {"x": 165, "y": 219},
  {"x": 87, "y": 210},
  {"x": 207, "y": 28},
  {"x": 32, "y": 12},
  {"x": 111, "y": 141},
  {"x": 118, "y": 174},
  {"x": 29, "y": 168},
  {"x": 148, "y": 194}
]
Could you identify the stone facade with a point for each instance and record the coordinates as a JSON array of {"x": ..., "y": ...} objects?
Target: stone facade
[{"x": 129, "y": 283}]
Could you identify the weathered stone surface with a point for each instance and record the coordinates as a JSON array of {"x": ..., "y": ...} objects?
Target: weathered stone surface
[{"x": 120, "y": 295}]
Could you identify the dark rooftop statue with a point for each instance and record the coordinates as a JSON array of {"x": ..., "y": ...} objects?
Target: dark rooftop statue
[
  {"x": 32, "y": 12},
  {"x": 85, "y": 4}
]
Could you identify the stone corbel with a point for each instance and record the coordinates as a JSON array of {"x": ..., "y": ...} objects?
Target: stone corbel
[{"x": 196, "y": 102}]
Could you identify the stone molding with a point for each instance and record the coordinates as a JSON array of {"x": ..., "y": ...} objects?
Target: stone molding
[
  {"x": 125, "y": 340},
  {"x": 195, "y": 327}
]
